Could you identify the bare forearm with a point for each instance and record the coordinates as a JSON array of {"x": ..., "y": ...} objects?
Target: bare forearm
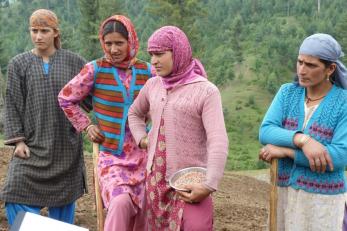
[{"x": 289, "y": 152}]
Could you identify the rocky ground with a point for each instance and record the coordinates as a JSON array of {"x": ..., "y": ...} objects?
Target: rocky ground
[{"x": 241, "y": 204}]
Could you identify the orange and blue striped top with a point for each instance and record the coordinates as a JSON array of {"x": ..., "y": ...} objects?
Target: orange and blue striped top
[{"x": 111, "y": 101}]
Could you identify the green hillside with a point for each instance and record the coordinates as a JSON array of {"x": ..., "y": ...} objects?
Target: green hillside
[{"x": 244, "y": 103}]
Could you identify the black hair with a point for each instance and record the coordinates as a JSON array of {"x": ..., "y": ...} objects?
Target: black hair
[
  {"x": 115, "y": 26},
  {"x": 327, "y": 64}
]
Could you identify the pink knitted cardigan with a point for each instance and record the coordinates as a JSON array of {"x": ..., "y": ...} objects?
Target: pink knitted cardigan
[{"x": 194, "y": 126}]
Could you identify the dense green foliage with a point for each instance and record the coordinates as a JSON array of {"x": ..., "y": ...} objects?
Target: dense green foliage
[{"x": 248, "y": 47}]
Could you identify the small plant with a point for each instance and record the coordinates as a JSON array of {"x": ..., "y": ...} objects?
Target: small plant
[{"x": 251, "y": 100}]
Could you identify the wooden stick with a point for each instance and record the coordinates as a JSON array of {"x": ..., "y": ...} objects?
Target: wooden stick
[
  {"x": 98, "y": 201},
  {"x": 273, "y": 195}
]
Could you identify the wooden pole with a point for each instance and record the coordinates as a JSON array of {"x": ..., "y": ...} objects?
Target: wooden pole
[
  {"x": 273, "y": 195},
  {"x": 98, "y": 201}
]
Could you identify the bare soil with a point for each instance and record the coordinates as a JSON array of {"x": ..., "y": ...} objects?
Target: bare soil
[{"x": 241, "y": 204}]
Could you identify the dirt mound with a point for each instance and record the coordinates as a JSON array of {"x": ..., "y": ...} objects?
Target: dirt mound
[{"x": 241, "y": 204}]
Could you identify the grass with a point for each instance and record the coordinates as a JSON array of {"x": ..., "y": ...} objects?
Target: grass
[{"x": 245, "y": 103}]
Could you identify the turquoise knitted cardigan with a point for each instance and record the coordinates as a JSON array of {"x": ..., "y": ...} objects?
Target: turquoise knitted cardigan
[{"x": 328, "y": 125}]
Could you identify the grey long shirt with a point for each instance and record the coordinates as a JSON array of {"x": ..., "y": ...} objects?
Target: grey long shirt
[{"x": 55, "y": 172}]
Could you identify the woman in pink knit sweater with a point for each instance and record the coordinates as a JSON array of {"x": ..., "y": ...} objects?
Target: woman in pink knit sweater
[{"x": 187, "y": 130}]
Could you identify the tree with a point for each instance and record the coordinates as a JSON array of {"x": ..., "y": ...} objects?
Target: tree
[
  {"x": 88, "y": 29},
  {"x": 4, "y": 3},
  {"x": 3, "y": 58},
  {"x": 341, "y": 35},
  {"x": 183, "y": 14},
  {"x": 235, "y": 38},
  {"x": 108, "y": 8}
]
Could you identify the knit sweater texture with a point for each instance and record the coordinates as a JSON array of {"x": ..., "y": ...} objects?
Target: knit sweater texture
[
  {"x": 194, "y": 126},
  {"x": 285, "y": 117},
  {"x": 111, "y": 101}
]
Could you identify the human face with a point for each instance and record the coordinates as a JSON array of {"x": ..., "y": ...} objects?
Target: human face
[
  {"x": 162, "y": 62},
  {"x": 117, "y": 46},
  {"x": 43, "y": 38},
  {"x": 312, "y": 72}
]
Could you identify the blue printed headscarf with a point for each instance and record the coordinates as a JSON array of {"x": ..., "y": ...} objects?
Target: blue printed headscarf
[{"x": 325, "y": 47}]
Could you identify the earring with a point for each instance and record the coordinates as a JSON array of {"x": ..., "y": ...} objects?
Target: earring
[{"x": 328, "y": 79}]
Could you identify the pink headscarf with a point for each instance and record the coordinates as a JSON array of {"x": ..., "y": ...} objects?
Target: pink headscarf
[
  {"x": 133, "y": 42},
  {"x": 185, "y": 68}
]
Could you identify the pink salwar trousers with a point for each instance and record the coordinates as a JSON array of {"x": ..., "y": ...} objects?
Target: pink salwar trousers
[{"x": 124, "y": 215}]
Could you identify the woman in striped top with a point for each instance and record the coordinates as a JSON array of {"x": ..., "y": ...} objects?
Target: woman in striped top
[{"x": 114, "y": 82}]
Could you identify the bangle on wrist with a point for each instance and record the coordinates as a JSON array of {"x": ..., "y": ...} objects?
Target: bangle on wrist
[
  {"x": 88, "y": 127},
  {"x": 144, "y": 141},
  {"x": 303, "y": 140}
]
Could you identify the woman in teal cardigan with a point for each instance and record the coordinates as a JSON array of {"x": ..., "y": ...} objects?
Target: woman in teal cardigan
[{"x": 306, "y": 128}]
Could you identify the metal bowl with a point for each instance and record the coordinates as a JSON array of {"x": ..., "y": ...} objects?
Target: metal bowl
[{"x": 181, "y": 172}]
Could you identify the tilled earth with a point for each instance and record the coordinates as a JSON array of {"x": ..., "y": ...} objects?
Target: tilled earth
[{"x": 241, "y": 204}]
